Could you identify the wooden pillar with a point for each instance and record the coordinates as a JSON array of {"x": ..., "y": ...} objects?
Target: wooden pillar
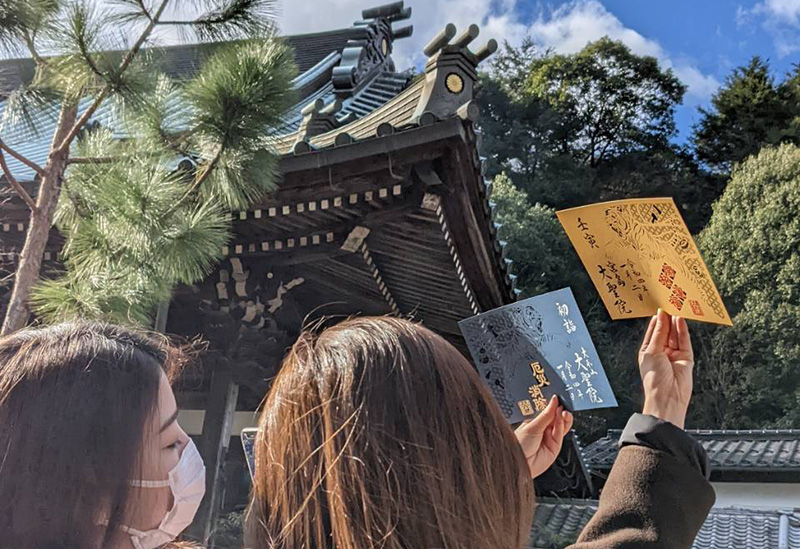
[
  {"x": 162, "y": 313},
  {"x": 217, "y": 427}
]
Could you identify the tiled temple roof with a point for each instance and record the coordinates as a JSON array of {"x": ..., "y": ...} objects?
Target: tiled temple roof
[
  {"x": 331, "y": 66},
  {"x": 768, "y": 450},
  {"x": 558, "y": 522},
  {"x": 180, "y": 61}
]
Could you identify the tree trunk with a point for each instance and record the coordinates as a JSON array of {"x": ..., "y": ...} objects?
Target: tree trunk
[{"x": 30, "y": 259}]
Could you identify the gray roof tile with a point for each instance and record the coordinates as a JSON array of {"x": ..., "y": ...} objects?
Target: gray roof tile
[
  {"x": 181, "y": 61},
  {"x": 558, "y": 522},
  {"x": 727, "y": 449},
  {"x": 36, "y": 146}
]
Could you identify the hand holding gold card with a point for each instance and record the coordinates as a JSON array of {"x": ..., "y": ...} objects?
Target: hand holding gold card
[{"x": 641, "y": 257}]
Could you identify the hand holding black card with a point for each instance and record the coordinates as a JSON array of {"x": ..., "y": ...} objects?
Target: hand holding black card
[{"x": 531, "y": 350}]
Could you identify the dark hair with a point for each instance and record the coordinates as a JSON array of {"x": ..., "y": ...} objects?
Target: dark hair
[
  {"x": 74, "y": 402},
  {"x": 379, "y": 433}
]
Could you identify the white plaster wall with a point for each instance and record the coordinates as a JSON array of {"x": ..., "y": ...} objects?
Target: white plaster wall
[{"x": 751, "y": 494}]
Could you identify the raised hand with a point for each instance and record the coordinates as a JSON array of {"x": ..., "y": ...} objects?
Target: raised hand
[
  {"x": 541, "y": 437},
  {"x": 666, "y": 361}
]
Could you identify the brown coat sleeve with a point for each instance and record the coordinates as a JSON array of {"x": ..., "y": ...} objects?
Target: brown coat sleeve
[{"x": 651, "y": 500}]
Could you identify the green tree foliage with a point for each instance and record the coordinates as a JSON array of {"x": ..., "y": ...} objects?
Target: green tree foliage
[
  {"x": 146, "y": 212},
  {"x": 575, "y": 129},
  {"x": 587, "y": 127},
  {"x": 518, "y": 132},
  {"x": 137, "y": 226},
  {"x": 513, "y": 126},
  {"x": 749, "y": 375},
  {"x": 611, "y": 101},
  {"x": 748, "y": 112},
  {"x": 542, "y": 253}
]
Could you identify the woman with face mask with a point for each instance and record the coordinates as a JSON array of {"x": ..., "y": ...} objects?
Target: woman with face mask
[{"x": 91, "y": 454}]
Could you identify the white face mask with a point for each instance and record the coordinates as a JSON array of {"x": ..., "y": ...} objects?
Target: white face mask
[{"x": 188, "y": 484}]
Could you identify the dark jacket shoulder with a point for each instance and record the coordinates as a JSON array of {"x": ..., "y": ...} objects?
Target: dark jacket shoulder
[{"x": 657, "y": 494}]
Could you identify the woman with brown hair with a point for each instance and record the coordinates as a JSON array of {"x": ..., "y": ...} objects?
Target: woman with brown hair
[
  {"x": 379, "y": 434},
  {"x": 91, "y": 454}
]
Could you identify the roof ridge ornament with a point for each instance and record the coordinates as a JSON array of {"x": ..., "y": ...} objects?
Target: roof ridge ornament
[
  {"x": 370, "y": 49},
  {"x": 318, "y": 118},
  {"x": 451, "y": 73}
]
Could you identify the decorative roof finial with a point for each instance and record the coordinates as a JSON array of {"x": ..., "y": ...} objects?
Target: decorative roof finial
[
  {"x": 467, "y": 36},
  {"x": 488, "y": 49},
  {"x": 440, "y": 40},
  {"x": 318, "y": 118},
  {"x": 450, "y": 75},
  {"x": 394, "y": 9},
  {"x": 370, "y": 47}
]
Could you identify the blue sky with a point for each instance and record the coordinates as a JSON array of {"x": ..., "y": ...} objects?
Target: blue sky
[{"x": 701, "y": 40}]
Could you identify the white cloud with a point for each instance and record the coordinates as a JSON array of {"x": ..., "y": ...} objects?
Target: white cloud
[
  {"x": 780, "y": 18},
  {"x": 701, "y": 86},
  {"x": 570, "y": 27},
  {"x": 566, "y": 29},
  {"x": 784, "y": 10}
]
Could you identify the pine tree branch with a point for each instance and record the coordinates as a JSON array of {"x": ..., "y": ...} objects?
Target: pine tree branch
[
  {"x": 244, "y": 18},
  {"x": 144, "y": 10},
  {"x": 185, "y": 23},
  {"x": 207, "y": 170},
  {"x": 32, "y": 165},
  {"x": 16, "y": 185},
  {"x": 32, "y": 48},
  {"x": 95, "y": 159},
  {"x": 80, "y": 209},
  {"x": 87, "y": 58},
  {"x": 126, "y": 61}
]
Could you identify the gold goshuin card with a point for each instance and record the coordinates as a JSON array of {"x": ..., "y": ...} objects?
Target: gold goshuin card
[{"x": 640, "y": 256}]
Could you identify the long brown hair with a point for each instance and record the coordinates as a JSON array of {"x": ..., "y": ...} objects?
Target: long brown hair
[
  {"x": 74, "y": 402},
  {"x": 380, "y": 434}
]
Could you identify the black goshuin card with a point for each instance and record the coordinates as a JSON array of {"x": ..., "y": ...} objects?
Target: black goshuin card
[
  {"x": 528, "y": 351},
  {"x": 248, "y": 437}
]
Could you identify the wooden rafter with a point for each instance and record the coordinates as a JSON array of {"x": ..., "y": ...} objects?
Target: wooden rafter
[{"x": 294, "y": 243}]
